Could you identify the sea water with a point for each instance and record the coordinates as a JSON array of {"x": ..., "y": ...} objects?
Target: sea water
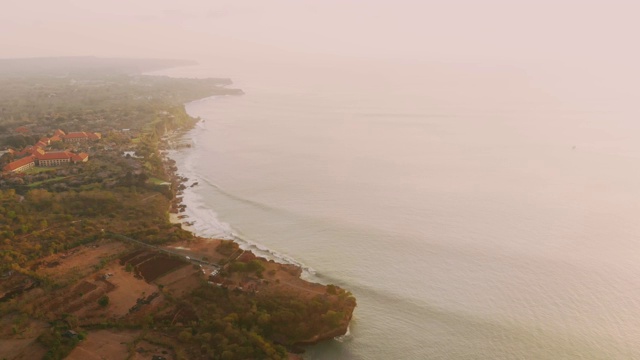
[{"x": 473, "y": 215}]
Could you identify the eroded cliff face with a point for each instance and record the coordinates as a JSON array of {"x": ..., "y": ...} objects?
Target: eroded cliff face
[
  {"x": 302, "y": 312},
  {"x": 339, "y": 330}
]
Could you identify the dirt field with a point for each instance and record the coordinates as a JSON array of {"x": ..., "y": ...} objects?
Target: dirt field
[
  {"x": 181, "y": 281},
  {"x": 21, "y": 349},
  {"x": 159, "y": 265},
  {"x": 14, "y": 286},
  {"x": 124, "y": 259},
  {"x": 145, "y": 351},
  {"x": 140, "y": 258},
  {"x": 104, "y": 344},
  {"x": 80, "y": 262},
  {"x": 127, "y": 289},
  {"x": 22, "y": 344},
  {"x": 136, "y": 294}
]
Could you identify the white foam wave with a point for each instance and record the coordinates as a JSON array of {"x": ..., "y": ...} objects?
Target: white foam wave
[
  {"x": 308, "y": 273},
  {"x": 206, "y": 222},
  {"x": 346, "y": 337}
]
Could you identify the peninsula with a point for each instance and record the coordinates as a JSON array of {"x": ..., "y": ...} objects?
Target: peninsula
[{"x": 91, "y": 265}]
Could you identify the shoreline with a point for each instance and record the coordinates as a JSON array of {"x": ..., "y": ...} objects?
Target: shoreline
[
  {"x": 112, "y": 259},
  {"x": 289, "y": 274},
  {"x": 179, "y": 213}
]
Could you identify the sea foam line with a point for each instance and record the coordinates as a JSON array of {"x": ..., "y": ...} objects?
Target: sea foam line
[{"x": 206, "y": 222}]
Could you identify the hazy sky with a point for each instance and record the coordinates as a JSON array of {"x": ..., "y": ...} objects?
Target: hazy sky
[
  {"x": 494, "y": 31},
  {"x": 565, "y": 47}
]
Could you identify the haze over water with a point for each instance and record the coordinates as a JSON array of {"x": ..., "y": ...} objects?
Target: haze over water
[
  {"x": 472, "y": 214},
  {"x": 468, "y": 169}
]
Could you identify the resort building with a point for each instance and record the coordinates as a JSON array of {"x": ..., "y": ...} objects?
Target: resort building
[
  {"x": 36, "y": 155},
  {"x": 54, "y": 158},
  {"x": 44, "y": 142},
  {"x": 29, "y": 150},
  {"x": 45, "y": 159},
  {"x": 60, "y": 158},
  {"x": 20, "y": 165},
  {"x": 77, "y": 158},
  {"x": 57, "y": 136},
  {"x": 76, "y": 137}
]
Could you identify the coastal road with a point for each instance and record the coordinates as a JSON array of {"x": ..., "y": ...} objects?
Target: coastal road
[{"x": 138, "y": 242}]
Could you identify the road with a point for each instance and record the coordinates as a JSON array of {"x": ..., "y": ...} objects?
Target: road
[{"x": 138, "y": 242}]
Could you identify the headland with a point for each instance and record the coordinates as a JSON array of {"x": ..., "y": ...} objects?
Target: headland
[{"x": 92, "y": 265}]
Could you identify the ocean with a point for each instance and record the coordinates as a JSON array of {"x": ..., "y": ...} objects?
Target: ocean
[{"x": 474, "y": 212}]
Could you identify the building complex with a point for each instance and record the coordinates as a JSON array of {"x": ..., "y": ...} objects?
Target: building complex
[{"x": 36, "y": 155}]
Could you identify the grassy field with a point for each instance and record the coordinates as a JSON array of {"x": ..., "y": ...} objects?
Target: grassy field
[
  {"x": 38, "y": 170},
  {"x": 40, "y": 183}
]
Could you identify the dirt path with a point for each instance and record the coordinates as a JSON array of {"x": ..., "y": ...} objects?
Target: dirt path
[
  {"x": 307, "y": 289},
  {"x": 104, "y": 344}
]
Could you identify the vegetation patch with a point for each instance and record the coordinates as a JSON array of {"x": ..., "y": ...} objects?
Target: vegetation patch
[
  {"x": 159, "y": 265},
  {"x": 83, "y": 246}
]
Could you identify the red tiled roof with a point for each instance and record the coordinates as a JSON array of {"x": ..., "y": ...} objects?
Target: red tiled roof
[
  {"x": 76, "y": 135},
  {"x": 18, "y": 163},
  {"x": 55, "y": 138},
  {"x": 36, "y": 150},
  {"x": 79, "y": 157},
  {"x": 25, "y": 151},
  {"x": 58, "y": 133},
  {"x": 58, "y": 155},
  {"x": 82, "y": 135}
]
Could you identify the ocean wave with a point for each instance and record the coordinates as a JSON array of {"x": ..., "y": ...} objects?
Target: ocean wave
[
  {"x": 241, "y": 199},
  {"x": 346, "y": 337},
  {"x": 206, "y": 222}
]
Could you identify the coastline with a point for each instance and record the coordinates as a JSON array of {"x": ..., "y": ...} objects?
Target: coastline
[
  {"x": 106, "y": 265},
  {"x": 208, "y": 225},
  {"x": 291, "y": 276},
  {"x": 181, "y": 210}
]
